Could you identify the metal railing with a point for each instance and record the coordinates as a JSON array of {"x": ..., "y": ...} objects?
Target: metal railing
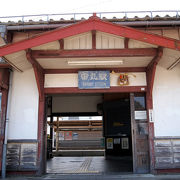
[{"x": 79, "y": 16}]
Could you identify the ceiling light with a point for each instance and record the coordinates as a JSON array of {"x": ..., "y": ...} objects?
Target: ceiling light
[{"x": 95, "y": 62}]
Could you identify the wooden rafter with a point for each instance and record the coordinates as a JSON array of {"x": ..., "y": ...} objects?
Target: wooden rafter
[
  {"x": 111, "y": 90},
  {"x": 151, "y": 70},
  {"x": 137, "y": 52},
  {"x": 93, "y": 23},
  {"x": 116, "y": 70},
  {"x": 39, "y": 74}
]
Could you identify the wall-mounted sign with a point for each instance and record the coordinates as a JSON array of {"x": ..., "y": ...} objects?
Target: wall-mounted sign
[
  {"x": 151, "y": 115},
  {"x": 124, "y": 143},
  {"x": 93, "y": 79},
  {"x": 141, "y": 115},
  {"x": 117, "y": 140},
  {"x": 109, "y": 143}
]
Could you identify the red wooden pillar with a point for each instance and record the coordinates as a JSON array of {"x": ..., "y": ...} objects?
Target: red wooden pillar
[
  {"x": 150, "y": 76},
  {"x": 39, "y": 75},
  {"x": 4, "y": 84},
  {"x": 41, "y": 137}
]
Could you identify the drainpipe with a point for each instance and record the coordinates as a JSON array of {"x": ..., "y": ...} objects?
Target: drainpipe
[
  {"x": 3, "y": 32},
  {"x": 6, "y": 129}
]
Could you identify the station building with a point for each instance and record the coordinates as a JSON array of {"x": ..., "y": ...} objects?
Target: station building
[{"x": 125, "y": 71}]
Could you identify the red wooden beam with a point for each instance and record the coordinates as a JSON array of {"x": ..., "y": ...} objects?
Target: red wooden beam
[
  {"x": 137, "y": 52},
  {"x": 5, "y": 66},
  {"x": 110, "y": 90},
  {"x": 93, "y": 23},
  {"x": 93, "y": 39},
  {"x": 39, "y": 74},
  {"x": 135, "y": 34},
  {"x": 151, "y": 70},
  {"x": 116, "y": 70}
]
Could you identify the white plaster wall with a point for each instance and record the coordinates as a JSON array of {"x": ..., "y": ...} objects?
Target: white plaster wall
[
  {"x": 71, "y": 80},
  {"x": 23, "y": 117},
  {"x": 166, "y": 102}
]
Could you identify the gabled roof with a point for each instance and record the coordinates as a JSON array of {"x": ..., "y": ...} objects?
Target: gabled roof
[{"x": 93, "y": 23}]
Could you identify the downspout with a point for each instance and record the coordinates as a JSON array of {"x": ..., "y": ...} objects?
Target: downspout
[
  {"x": 3, "y": 31},
  {"x": 6, "y": 129}
]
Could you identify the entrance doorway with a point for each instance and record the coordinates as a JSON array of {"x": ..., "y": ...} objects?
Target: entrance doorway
[{"x": 80, "y": 122}]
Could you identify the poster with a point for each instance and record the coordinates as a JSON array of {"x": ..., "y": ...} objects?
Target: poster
[
  {"x": 68, "y": 135},
  {"x": 117, "y": 140},
  {"x": 124, "y": 143},
  {"x": 61, "y": 135},
  {"x": 109, "y": 143}
]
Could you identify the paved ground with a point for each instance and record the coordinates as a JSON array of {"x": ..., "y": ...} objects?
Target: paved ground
[
  {"x": 93, "y": 168},
  {"x": 95, "y": 164},
  {"x": 99, "y": 177}
]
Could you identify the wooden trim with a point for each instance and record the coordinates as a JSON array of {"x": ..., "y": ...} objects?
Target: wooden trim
[
  {"x": 110, "y": 90},
  {"x": 166, "y": 137},
  {"x": 76, "y": 114},
  {"x": 116, "y": 70},
  {"x": 151, "y": 70},
  {"x": 156, "y": 59},
  {"x": 149, "y": 106},
  {"x": 135, "y": 34},
  {"x": 5, "y": 66},
  {"x": 93, "y": 39},
  {"x": 41, "y": 140},
  {"x": 93, "y": 23},
  {"x": 126, "y": 43},
  {"x": 133, "y": 133},
  {"x": 166, "y": 171},
  {"x": 4, "y": 79},
  {"x": 22, "y": 172},
  {"x": 150, "y": 75},
  {"x": 39, "y": 73},
  {"x": 22, "y": 140},
  {"x": 61, "y": 42},
  {"x": 89, "y": 53}
]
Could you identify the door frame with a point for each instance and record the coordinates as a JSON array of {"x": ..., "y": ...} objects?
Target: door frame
[{"x": 50, "y": 91}]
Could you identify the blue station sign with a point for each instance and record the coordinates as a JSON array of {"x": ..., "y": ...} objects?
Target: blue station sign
[{"x": 93, "y": 79}]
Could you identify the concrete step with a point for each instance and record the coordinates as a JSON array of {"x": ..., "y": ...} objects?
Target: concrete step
[{"x": 79, "y": 153}]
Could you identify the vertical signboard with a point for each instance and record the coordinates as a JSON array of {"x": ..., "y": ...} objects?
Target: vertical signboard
[{"x": 93, "y": 79}]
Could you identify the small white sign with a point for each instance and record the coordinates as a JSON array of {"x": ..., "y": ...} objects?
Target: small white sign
[
  {"x": 116, "y": 140},
  {"x": 151, "y": 119},
  {"x": 140, "y": 115}
]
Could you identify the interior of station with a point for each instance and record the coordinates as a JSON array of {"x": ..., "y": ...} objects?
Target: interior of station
[{"x": 90, "y": 133}]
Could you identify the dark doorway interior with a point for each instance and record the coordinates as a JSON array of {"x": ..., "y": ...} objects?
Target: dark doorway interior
[
  {"x": 116, "y": 135},
  {"x": 117, "y": 132}
]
